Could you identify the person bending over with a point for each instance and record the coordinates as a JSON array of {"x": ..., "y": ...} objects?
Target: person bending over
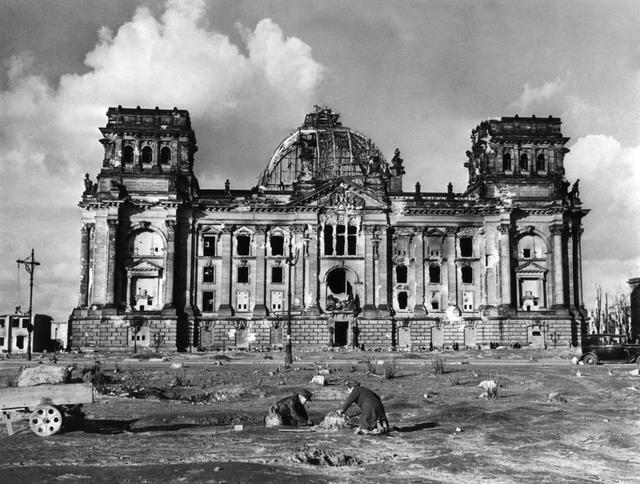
[{"x": 373, "y": 418}]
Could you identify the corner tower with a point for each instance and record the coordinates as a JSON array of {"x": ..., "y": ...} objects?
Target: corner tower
[{"x": 135, "y": 225}]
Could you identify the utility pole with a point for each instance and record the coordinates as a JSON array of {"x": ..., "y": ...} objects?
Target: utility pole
[{"x": 30, "y": 265}]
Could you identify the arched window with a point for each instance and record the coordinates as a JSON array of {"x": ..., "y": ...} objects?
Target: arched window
[
  {"x": 541, "y": 164},
  {"x": 147, "y": 154},
  {"x": 127, "y": 155},
  {"x": 165, "y": 155},
  {"x": 403, "y": 299},
  {"x": 506, "y": 161},
  {"x": 524, "y": 162},
  {"x": 531, "y": 247}
]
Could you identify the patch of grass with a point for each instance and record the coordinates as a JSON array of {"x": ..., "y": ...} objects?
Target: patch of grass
[
  {"x": 454, "y": 379},
  {"x": 370, "y": 366},
  {"x": 180, "y": 379}
]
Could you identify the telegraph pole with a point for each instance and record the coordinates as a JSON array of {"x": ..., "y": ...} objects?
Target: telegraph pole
[{"x": 30, "y": 265}]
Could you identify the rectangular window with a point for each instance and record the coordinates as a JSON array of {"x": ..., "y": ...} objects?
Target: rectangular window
[
  {"x": 25, "y": 323},
  {"x": 352, "y": 240},
  {"x": 209, "y": 246},
  {"x": 242, "y": 301},
  {"x": 244, "y": 244},
  {"x": 277, "y": 300},
  {"x": 15, "y": 323},
  {"x": 466, "y": 246},
  {"x": 328, "y": 240},
  {"x": 1, "y": 341},
  {"x": 340, "y": 234},
  {"x": 434, "y": 274},
  {"x": 209, "y": 274},
  {"x": 467, "y": 301},
  {"x": 277, "y": 244},
  {"x": 403, "y": 299},
  {"x": 208, "y": 301},
  {"x": 1, "y": 323},
  {"x": 467, "y": 274},
  {"x": 435, "y": 301},
  {"x": 276, "y": 274},
  {"x": 243, "y": 275},
  {"x": 401, "y": 274}
]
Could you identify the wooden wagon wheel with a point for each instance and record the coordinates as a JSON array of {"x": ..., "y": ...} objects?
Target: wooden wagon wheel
[{"x": 45, "y": 420}]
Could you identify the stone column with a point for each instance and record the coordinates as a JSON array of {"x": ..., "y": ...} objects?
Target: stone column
[
  {"x": 369, "y": 271},
  {"x": 127, "y": 297},
  {"x": 383, "y": 269},
  {"x": 112, "y": 228},
  {"x": 260, "y": 280},
  {"x": 576, "y": 232},
  {"x": 419, "y": 308},
  {"x": 170, "y": 263},
  {"x": 314, "y": 283},
  {"x": 557, "y": 265},
  {"x": 571, "y": 267},
  {"x": 505, "y": 265},
  {"x": 85, "y": 234},
  {"x": 452, "y": 271},
  {"x": 579, "y": 231},
  {"x": 191, "y": 267},
  {"x": 226, "y": 276},
  {"x": 298, "y": 268}
]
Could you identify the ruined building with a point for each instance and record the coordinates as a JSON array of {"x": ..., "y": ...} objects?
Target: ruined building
[{"x": 332, "y": 238}]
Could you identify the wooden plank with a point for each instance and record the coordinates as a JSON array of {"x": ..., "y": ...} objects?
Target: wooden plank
[
  {"x": 30, "y": 397},
  {"x": 7, "y": 421}
]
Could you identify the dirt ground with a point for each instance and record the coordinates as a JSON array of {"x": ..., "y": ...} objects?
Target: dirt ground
[{"x": 155, "y": 422}]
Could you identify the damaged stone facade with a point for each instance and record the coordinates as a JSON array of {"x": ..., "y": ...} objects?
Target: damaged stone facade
[{"x": 329, "y": 238}]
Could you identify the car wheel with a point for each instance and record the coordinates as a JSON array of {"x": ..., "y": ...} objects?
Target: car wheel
[{"x": 590, "y": 359}]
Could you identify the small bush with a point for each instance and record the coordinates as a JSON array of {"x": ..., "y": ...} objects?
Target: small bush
[
  {"x": 181, "y": 380},
  {"x": 391, "y": 369},
  {"x": 437, "y": 364},
  {"x": 454, "y": 379},
  {"x": 370, "y": 366}
]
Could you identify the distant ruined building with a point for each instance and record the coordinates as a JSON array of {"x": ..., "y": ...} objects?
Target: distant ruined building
[{"x": 331, "y": 238}]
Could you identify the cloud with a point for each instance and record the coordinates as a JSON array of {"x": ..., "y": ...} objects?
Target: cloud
[
  {"x": 609, "y": 176},
  {"x": 49, "y": 133}
]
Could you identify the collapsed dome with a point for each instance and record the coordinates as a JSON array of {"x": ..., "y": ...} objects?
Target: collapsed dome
[{"x": 322, "y": 149}]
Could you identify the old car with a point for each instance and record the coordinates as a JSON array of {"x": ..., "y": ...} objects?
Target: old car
[{"x": 609, "y": 347}]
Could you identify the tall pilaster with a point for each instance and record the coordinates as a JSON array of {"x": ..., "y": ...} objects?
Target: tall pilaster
[
  {"x": 383, "y": 268},
  {"x": 85, "y": 235},
  {"x": 226, "y": 276},
  {"x": 170, "y": 263},
  {"x": 369, "y": 270},
  {"x": 297, "y": 232},
  {"x": 452, "y": 273},
  {"x": 505, "y": 265},
  {"x": 558, "y": 301},
  {"x": 260, "y": 283},
  {"x": 112, "y": 230},
  {"x": 419, "y": 308},
  {"x": 314, "y": 283}
]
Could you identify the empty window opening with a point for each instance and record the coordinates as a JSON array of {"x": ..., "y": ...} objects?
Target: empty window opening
[
  {"x": 244, "y": 242},
  {"x": 328, "y": 240},
  {"x": 352, "y": 240},
  {"x": 25, "y": 323},
  {"x": 403, "y": 300},
  {"x": 541, "y": 164},
  {"x": 147, "y": 154},
  {"x": 20, "y": 342},
  {"x": 524, "y": 162},
  {"x": 466, "y": 246},
  {"x": 341, "y": 333},
  {"x": 467, "y": 275},
  {"x": 277, "y": 274},
  {"x": 340, "y": 235},
  {"x": 209, "y": 274},
  {"x": 434, "y": 274},
  {"x": 243, "y": 274},
  {"x": 435, "y": 301},
  {"x": 127, "y": 155},
  {"x": 1, "y": 341},
  {"x": 277, "y": 244},
  {"x": 165, "y": 155},
  {"x": 531, "y": 247},
  {"x": 337, "y": 282},
  {"x": 401, "y": 274},
  {"x": 506, "y": 161},
  {"x": 208, "y": 301},
  {"x": 209, "y": 246},
  {"x": 15, "y": 323}
]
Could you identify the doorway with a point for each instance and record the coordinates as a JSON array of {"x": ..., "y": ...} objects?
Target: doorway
[
  {"x": 341, "y": 333},
  {"x": 437, "y": 337}
]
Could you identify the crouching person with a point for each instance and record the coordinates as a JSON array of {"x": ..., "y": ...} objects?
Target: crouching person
[
  {"x": 373, "y": 418},
  {"x": 290, "y": 411}
]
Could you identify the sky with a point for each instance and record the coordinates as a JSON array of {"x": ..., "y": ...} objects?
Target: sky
[{"x": 413, "y": 75}]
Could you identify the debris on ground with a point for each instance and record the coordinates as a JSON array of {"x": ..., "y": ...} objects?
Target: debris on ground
[
  {"x": 320, "y": 457},
  {"x": 333, "y": 421},
  {"x": 635, "y": 372},
  {"x": 319, "y": 380},
  {"x": 43, "y": 374},
  {"x": 273, "y": 420},
  {"x": 556, "y": 397},
  {"x": 490, "y": 388}
]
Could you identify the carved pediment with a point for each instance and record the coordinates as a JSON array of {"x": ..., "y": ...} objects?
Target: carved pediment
[
  {"x": 144, "y": 267},
  {"x": 531, "y": 268},
  {"x": 340, "y": 194}
]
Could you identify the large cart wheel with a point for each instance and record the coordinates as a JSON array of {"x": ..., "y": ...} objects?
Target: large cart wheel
[{"x": 45, "y": 420}]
